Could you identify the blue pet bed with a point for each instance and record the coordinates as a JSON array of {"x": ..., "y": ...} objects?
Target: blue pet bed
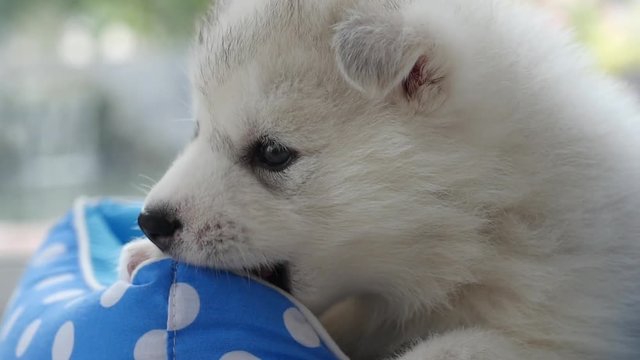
[{"x": 70, "y": 304}]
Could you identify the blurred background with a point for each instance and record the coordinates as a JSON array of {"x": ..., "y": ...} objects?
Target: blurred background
[{"x": 95, "y": 99}]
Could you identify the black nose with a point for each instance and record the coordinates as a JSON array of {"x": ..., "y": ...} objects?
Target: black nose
[{"x": 158, "y": 227}]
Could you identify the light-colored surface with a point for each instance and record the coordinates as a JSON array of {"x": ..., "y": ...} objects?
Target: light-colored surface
[
  {"x": 17, "y": 243},
  {"x": 10, "y": 270},
  {"x": 21, "y": 239}
]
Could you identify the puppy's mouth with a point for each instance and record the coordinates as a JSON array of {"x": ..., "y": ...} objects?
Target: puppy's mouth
[{"x": 278, "y": 275}]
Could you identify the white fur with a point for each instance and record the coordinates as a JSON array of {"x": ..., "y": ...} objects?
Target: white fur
[
  {"x": 135, "y": 254},
  {"x": 495, "y": 215}
]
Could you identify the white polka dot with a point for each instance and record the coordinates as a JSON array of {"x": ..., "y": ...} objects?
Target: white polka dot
[
  {"x": 184, "y": 306},
  {"x": 73, "y": 302},
  {"x": 27, "y": 336},
  {"x": 112, "y": 295},
  {"x": 151, "y": 346},
  {"x": 62, "y": 296},
  {"x": 49, "y": 254},
  {"x": 239, "y": 355},
  {"x": 55, "y": 280},
  {"x": 300, "y": 329},
  {"x": 63, "y": 342},
  {"x": 11, "y": 322}
]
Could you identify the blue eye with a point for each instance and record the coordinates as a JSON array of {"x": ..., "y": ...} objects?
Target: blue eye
[{"x": 273, "y": 156}]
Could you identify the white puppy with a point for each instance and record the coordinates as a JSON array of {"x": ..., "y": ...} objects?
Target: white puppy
[{"x": 452, "y": 178}]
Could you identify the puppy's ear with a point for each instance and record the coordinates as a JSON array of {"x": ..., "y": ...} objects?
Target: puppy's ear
[{"x": 378, "y": 53}]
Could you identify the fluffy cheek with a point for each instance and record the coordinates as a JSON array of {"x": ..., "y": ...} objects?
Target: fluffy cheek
[
  {"x": 362, "y": 217},
  {"x": 319, "y": 289},
  {"x": 242, "y": 225},
  {"x": 216, "y": 241},
  {"x": 327, "y": 255}
]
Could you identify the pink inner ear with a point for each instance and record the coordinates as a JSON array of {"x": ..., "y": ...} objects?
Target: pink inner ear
[{"x": 417, "y": 77}]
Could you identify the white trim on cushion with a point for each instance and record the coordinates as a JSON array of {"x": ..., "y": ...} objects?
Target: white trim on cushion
[
  {"x": 82, "y": 236},
  {"x": 86, "y": 267}
]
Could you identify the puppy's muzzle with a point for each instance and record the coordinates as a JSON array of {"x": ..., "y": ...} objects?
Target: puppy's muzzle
[{"x": 159, "y": 227}]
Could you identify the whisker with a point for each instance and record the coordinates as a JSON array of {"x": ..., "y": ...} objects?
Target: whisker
[
  {"x": 143, "y": 190},
  {"x": 149, "y": 178},
  {"x": 146, "y": 186}
]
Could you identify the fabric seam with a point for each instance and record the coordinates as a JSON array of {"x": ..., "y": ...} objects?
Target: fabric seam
[
  {"x": 84, "y": 245},
  {"x": 172, "y": 312}
]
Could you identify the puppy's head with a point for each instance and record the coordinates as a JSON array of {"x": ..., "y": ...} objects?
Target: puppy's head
[{"x": 311, "y": 164}]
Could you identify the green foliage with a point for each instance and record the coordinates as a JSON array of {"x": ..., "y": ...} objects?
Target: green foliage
[
  {"x": 613, "y": 37},
  {"x": 157, "y": 18},
  {"x": 615, "y": 42}
]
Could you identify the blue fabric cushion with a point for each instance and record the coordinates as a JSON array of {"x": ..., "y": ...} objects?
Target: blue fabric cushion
[{"x": 70, "y": 305}]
